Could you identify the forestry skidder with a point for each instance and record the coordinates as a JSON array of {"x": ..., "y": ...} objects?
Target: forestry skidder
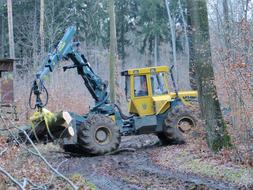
[{"x": 152, "y": 108}]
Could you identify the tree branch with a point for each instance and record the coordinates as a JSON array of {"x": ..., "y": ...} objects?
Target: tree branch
[
  {"x": 11, "y": 178},
  {"x": 37, "y": 153}
]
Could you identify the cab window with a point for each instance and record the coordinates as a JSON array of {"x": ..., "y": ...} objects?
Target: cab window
[
  {"x": 140, "y": 86},
  {"x": 158, "y": 84}
]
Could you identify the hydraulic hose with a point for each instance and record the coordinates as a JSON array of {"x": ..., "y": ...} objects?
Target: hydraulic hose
[{"x": 37, "y": 91}]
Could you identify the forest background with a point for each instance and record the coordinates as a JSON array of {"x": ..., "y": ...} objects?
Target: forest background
[{"x": 148, "y": 34}]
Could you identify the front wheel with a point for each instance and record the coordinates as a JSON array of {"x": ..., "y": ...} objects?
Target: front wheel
[
  {"x": 98, "y": 135},
  {"x": 179, "y": 121}
]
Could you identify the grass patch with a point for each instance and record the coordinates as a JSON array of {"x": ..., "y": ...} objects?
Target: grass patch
[
  {"x": 183, "y": 161},
  {"x": 242, "y": 176},
  {"x": 82, "y": 182}
]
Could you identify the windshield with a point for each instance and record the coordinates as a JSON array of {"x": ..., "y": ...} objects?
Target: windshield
[{"x": 158, "y": 84}]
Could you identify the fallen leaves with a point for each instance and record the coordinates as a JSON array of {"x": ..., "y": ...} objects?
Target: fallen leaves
[{"x": 195, "y": 158}]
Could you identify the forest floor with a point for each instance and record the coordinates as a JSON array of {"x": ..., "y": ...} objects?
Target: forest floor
[
  {"x": 143, "y": 164},
  {"x": 140, "y": 163}
]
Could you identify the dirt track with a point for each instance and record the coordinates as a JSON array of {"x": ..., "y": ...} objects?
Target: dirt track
[{"x": 133, "y": 169}]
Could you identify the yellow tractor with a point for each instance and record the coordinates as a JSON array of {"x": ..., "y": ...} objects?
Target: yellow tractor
[
  {"x": 165, "y": 113},
  {"x": 152, "y": 107}
]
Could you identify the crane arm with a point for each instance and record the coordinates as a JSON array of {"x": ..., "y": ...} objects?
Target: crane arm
[{"x": 65, "y": 50}]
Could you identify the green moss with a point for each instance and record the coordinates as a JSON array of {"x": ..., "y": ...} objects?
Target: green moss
[
  {"x": 185, "y": 161},
  {"x": 80, "y": 180},
  {"x": 220, "y": 141},
  {"x": 234, "y": 175}
]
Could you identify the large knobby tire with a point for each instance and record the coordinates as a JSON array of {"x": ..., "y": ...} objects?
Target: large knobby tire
[
  {"x": 98, "y": 135},
  {"x": 178, "y": 121}
]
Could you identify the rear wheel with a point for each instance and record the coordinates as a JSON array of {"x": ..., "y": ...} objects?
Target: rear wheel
[
  {"x": 179, "y": 121},
  {"x": 98, "y": 135}
]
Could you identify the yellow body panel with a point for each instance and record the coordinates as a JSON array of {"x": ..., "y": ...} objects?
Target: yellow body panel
[
  {"x": 150, "y": 104},
  {"x": 147, "y": 70},
  {"x": 113, "y": 117},
  {"x": 161, "y": 103},
  {"x": 183, "y": 94},
  {"x": 142, "y": 106}
]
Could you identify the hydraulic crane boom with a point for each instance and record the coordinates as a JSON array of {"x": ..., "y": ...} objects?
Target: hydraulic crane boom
[{"x": 66, "y": 50}]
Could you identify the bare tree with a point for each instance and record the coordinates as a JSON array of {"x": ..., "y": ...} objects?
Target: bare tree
[
  {"x": 10, "y": 28},
  {"x": 185, "y": 30},
  {"x": 246, "y": 9},
  {"x": 173, "y": 37},
  {"x": 226, "y": 23},
  {"x": 200, "y": 50},
  {"x": 42, "y": 36},
  {"x": 2, "y": 35},
  {"x": 113, "y": 46}
]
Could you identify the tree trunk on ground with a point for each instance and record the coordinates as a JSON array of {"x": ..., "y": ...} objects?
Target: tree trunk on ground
[
  {"x": 10, "y": 29},
  {"x": 113, "y": 45},
  {"x": 173, "y": 39},
  {"x": 200, "y": 50},
  {"x": 42, "y": 36}
]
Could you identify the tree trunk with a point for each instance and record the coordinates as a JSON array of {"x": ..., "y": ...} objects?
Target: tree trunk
[
  {"x": 2, "y": 35},
  {"x": 185, "y": 31},
  {"x": 42, "y": 36},
  {"x": 10, "y": 29},
  {"x": 217, "y": 136},
  {"x": 113, "y": 45},
  {"x": 245, "y": 33},
  {"x": 121, "y": 32},
  {"x": 226, "y": 55},
  {"x": 246, "y": 10},
  {"x": 186, "y": 49},
  {"x": 173, "y": 39},
  {"x": 226, "y": 24},
  {"x": 35, "y": 36},
  {"x": 156, "y": 50}
]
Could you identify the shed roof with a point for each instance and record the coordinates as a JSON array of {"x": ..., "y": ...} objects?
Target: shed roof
[{"x": 6, "y": 64}]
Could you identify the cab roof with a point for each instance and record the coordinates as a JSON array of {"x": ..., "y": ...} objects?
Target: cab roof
[{"x": 146, "y": 70}]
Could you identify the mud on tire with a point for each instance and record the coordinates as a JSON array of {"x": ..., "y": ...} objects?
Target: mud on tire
[
  {"x": 98, "y": 135},
  {"x": 178, "y": 121}
]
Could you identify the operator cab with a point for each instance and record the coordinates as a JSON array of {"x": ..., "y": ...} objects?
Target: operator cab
[{"x": 147, "y": 90}]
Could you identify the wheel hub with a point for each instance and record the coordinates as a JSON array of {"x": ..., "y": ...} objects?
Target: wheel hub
[
  {"x": 185, "y": 124},
  {"x": 102, "y": 135}
]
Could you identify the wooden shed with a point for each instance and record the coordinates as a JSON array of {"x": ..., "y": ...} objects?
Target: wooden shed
[
  {"x": 6, "y": 87},
  {"x": 6, "y": 81}
]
